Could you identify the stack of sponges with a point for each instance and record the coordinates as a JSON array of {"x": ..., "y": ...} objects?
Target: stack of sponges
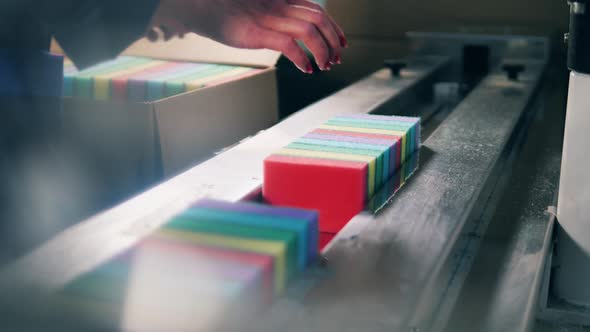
[
  {"x": 142, "y": 79},
  {"x": 214, "y": 258},
  {"x": 339, "y": 166}
]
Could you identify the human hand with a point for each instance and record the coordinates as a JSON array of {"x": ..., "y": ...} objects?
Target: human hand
[{"x": 256, "y": 24}]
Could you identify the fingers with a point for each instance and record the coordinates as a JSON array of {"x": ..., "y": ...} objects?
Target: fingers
[
  {"x": 261, "y": 37},
  {"x": 304, "y": 31},
  {"x": 154, "y": 34},
  {"x": 272, "y": 24},
  {"x": 167, "y": 29},
  {"x": 315, "y": 6},
  {"x": 168, "y": 33},
  {"x": 323, "y": 25}
]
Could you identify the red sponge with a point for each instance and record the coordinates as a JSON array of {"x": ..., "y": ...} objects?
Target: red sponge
[
  {"x": 302, "y": 182},
  {"x": 326, "y": 238}
]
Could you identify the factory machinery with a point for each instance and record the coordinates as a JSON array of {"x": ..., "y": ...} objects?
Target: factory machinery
[{"x": 466, "y": 245}]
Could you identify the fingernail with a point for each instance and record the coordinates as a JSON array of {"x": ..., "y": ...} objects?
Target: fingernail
[
  {"x": 337, "y": 59},
  {"x": 327, "y": 66},
  {"x": 309, "y": 69},
  {"x": 343, "y": 42}
]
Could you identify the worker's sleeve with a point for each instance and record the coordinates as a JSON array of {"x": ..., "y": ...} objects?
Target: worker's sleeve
[{"x": 91, "y": 31}]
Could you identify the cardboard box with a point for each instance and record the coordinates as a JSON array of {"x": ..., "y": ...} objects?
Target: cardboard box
[{"x": 131, "y": 145}]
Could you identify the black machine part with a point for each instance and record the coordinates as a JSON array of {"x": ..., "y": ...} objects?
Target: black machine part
[
  {"x": 578, "y": 39},
  {"x": 396, "y": 66},
  {"x": 513, "y": 70}
]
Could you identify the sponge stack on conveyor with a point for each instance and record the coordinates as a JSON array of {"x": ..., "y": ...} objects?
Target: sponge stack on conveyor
[
  {"x": 339, "y": 166},
  {"x": 213, "y": 260}
]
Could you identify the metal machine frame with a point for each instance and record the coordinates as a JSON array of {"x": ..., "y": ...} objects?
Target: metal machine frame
[
  {"x": 400, "y": 270},
  {"x": 565, "y": 296}
]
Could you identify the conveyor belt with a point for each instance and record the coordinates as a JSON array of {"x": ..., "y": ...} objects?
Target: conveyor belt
[
  {"x": 231, "y": 176},
  {"x": 390, "y": 272}
]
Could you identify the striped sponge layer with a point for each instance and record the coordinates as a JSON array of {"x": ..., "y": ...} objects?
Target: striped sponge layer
[
  {"x": 142, "y": 79},
  {"x": 338, "y": 167},
  {"x": 231, "y": 254}
]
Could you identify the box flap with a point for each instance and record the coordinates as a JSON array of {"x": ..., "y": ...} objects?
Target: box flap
[{"x": 200, "y": 49}]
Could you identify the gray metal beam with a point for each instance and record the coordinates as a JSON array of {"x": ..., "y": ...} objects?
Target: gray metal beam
[{"x": 502, "y": 289}]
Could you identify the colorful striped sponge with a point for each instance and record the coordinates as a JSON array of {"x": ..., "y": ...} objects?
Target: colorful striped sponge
[
  {"x": 214, "y": 251},
  {"x": 339, "y": 166},
  {"x": 143, "y": 79}
]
